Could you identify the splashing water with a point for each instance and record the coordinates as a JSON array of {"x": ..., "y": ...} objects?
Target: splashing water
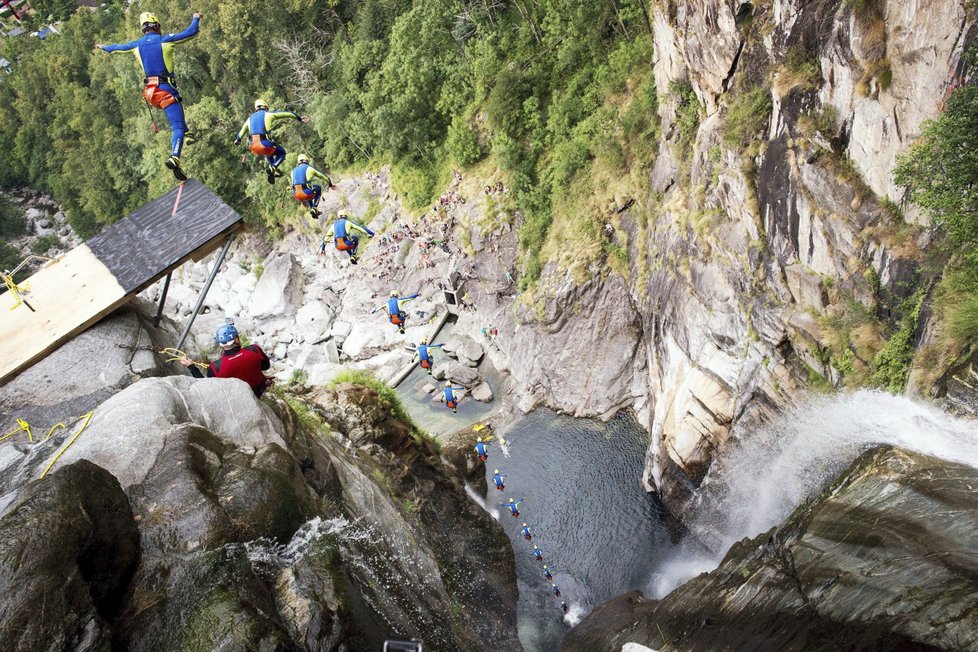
[
  {"x": 574, "y": 614},
  {"x": 265, "y": 553},
  {"x": 763, "y": 479},
  {"x": 492, "y": 511}
]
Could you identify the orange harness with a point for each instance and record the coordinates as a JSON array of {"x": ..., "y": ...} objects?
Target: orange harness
[
  {"x": 259, "y": 148},
  {"x": 157, "y": 97},
  {"x": 298, "y": 192}
]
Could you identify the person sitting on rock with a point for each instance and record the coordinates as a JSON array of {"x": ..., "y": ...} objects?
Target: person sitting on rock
[
  {"x": 499, "y": 480},
  {"x": 548, "y": 571},
  {"x": 243, "y": 363},
  {"x": 514, "y": 507},
  {"x": 537, "y": 554},
  {"x": 555, "y": 590},
  {"x": 423, "y": 354},
  {"x": 395, "y": 311},
  {"x": 345, "y": 237},
  {"x": 305, "y": 192},
  {"x": 481, "y": 448},
  {"x": 526, "y": 533}
]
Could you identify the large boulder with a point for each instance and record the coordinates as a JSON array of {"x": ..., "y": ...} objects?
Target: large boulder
[
  {"x": 80, "y": 374},
  {"x": 482, "y": 392},
  {"x": 314, "y": 321},
  {"x": 279, "y": 289},
  {"x": 70, "y": 545},
  {"x": 136, "y": 420},
  {"x": 457, "y": 373},
  {"x": 863, "y": 566}
]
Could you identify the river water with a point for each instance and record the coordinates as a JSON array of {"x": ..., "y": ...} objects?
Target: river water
[{"x": 588, "y": 512}]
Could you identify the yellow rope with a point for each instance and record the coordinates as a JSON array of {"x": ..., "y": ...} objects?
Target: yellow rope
[
  {"x": 53, "y": 428},
  {"x": 21, "y": 425},
  {"x": 87, "y": 418},
  {"x": 176, "y": 355},
  {"x": 15, "y": 290}
]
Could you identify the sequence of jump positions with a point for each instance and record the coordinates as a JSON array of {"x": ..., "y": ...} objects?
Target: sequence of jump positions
[{"x": 499, "y": 480}]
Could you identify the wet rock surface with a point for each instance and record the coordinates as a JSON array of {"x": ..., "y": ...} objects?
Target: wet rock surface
[
  {"x": 238, "y": 526},
  {"x": 70, "y": 546},
  {"x": 883, "y": 559}
]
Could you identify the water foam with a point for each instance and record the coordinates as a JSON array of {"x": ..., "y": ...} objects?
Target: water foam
[{"x": 763, "y": 479}]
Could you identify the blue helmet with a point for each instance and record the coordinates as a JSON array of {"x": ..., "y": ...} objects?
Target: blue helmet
[{"x": 226, "y": 334}]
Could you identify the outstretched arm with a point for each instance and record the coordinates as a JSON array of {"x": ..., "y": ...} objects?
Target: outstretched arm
[
  {"x": 186, "y": 34},
  {"x": 242, "y": 133},
  {"x": 316, "y": 174},
  {"x": 117, "y": 47},
  {"x": 436, "y": 346},
  {"x": 271, "y": 117},
  {"x": 353, "y": 226}
]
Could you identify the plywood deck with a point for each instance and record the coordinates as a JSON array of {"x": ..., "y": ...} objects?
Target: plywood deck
[
  {"x": 68, "y": 296},
  {"x": 94, "y": 279}
]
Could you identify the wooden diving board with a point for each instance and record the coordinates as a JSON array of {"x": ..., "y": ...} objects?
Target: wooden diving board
[{"x": 92, "y": 280}]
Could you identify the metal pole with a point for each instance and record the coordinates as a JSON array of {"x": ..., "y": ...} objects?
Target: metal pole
[
  {"x": 159, "y": 311},
  {"x": 203, "y": 293}
]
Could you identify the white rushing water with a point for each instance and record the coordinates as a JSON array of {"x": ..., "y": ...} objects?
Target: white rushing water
[{"x": 763, "y": 479}]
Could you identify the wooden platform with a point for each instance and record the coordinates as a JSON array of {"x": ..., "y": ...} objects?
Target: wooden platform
[{"x": 92, "y": 280}]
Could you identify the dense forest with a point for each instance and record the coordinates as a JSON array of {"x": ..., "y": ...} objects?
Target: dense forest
[{"x": 557, "y": 95}]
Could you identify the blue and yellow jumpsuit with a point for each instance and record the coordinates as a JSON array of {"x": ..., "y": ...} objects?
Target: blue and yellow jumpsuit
[
  {"x": 423, "y": 355},
  {"x": 258, "y": 126},
  {"x": 345, "y": 235},
  {"x": 301, "y": 189},
  {"x": 155, "y": 53},
  {"x": 395, "y": 310}
]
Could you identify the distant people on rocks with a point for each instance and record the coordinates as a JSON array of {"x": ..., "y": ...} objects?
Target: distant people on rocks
[
  {"x": 423, "y": 352},
  {"x": 452, "y": 401},
  {"x": 244, "y": 363},
  {"x": 345, "y": 236},
  {"x": 555, "y": 590},
  {"x": 526, "y": 533},
  {"x": 564, "y": 607},
  {"x": 537, "y": 553},
  {"x": 481, "y": 447},
  {"x": 258, "y": 127},
  {"x": 395, "y": 309},
  {"x": 305, "y": 192},
  {"x": 548, "y": 571},
  {"x": 155, "y": 53}
]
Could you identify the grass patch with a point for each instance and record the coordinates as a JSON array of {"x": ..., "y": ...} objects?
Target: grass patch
[
  {"x": 298, "y": 377},
  {"x": 800, "y": 70},
  {"x": 687, "y": 117},
  {"x": 853, "y": 338},
  {"x": 387, "y": 396},
  {"x": 747, "y": 116},
  {"x": 45, "y": 243},
  {"x": 893, "y": 361},
  {"x": 258, "y": 270}
]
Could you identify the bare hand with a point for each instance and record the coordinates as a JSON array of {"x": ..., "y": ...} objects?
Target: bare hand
[
  {"x": 186, "y": 362},
  {"x": 198, "y": 15},
  {"x": 304, "y": 119},
  {"x": 98, "y": 46}
]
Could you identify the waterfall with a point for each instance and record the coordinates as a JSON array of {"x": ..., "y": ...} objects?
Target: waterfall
[{"x": 762, "y": 479}]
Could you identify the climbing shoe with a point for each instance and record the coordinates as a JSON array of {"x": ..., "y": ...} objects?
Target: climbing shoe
[
  {"x": 354, "y": 260},
  {"x": 313, "y": 213},
  {"x": 401, "y": 330},
  {"x": 189, "y": 138},
  {"x": 270, "y": 174},
  {"x": 174, "y": 164}
]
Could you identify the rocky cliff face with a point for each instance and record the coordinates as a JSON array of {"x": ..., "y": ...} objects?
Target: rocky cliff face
[
  {"x": 752, "y": 237},
  {"x": 188, "y": 516},
  {"x": 883, "y": 559}
]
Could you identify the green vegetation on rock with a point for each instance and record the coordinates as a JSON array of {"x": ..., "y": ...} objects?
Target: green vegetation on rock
[{"x": 558, "y": 96}]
